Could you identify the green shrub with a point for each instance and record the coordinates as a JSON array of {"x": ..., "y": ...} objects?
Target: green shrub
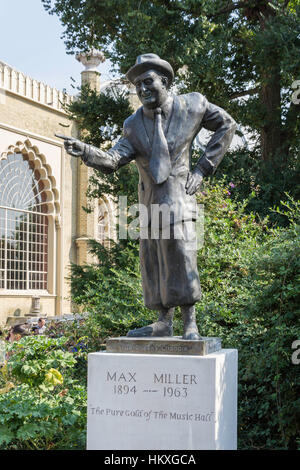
[
  {"x": 251, "y": 299},
  {"x": 265, "y": 184},
  {"x": 41, "y": 405}
]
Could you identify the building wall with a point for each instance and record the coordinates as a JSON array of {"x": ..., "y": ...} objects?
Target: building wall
[
  {"x": 29, "y": 118},
  {"x": 31, "y": 113}
]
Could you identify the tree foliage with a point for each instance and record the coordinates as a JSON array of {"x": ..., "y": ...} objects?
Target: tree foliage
[
  {"x": 100, "y": 119},
  {"x": 243, "y": 55}
]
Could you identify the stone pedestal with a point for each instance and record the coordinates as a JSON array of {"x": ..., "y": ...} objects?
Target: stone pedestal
[{"x": 162, "y": 402}]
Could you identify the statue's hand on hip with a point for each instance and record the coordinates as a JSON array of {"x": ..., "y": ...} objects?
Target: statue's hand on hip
[
  {"x": 194, "y": 181},
  {"x": 73, "y": 146}
]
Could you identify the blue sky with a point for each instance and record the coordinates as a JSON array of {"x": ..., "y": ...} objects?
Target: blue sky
[{"x": 30, "y": 41}]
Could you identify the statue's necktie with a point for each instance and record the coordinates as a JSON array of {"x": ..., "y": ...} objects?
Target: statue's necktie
[{"x": 160, "y": 162}]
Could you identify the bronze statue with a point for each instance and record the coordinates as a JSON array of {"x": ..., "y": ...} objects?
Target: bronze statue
[{"x": 159, "y": 137}]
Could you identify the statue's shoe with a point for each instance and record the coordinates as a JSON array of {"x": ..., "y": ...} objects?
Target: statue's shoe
[
  {"x": 191, "y": 332},
  {"x": 192, "y": 336},
  {"x": 158, "y": 328}
]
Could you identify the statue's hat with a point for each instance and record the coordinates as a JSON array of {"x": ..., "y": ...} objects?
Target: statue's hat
[{"x": 146, "y": 62}]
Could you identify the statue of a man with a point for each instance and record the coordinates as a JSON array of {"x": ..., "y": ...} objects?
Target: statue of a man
[{"x": 159, "y": 137}]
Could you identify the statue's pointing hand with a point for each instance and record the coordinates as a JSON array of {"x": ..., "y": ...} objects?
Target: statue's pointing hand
[
  {"x": 73, "y": 146},
  {"x": 194, "y": 182}
]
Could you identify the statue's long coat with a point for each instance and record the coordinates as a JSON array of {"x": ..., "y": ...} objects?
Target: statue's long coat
[{"x": 169, "y": 267}]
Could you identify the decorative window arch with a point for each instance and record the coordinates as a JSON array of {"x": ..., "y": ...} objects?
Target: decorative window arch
[{"x": 28, "y": 201}]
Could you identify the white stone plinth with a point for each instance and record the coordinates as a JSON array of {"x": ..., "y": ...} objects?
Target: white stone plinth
[{"x": 160, "y": 402}]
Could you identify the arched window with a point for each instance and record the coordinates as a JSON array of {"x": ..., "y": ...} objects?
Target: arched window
[{"x": 23, "y": 225}]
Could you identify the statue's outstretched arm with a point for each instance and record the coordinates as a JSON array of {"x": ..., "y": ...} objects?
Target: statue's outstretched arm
[{"x": 109, "y": 161}]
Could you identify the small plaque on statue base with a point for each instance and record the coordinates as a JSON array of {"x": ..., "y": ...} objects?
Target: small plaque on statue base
[
  {"x": 162, "y": 401},
  {"x": 163, "y": 345}
]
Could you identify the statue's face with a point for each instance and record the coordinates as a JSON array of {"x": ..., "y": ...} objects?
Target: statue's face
[{"x": 151, "y": 89}]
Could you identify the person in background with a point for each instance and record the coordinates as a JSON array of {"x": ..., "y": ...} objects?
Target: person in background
[
  {"x": 16, "y": 333},
  {"x": 41, "y": 326}
]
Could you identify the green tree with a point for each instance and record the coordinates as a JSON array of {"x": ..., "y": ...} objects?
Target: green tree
[
  {"x": 100, "y": 119},
  {"x": 243, "y": 55}
]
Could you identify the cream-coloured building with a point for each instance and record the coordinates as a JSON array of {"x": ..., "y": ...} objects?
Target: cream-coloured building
[{"x": 43, "y": 227}]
